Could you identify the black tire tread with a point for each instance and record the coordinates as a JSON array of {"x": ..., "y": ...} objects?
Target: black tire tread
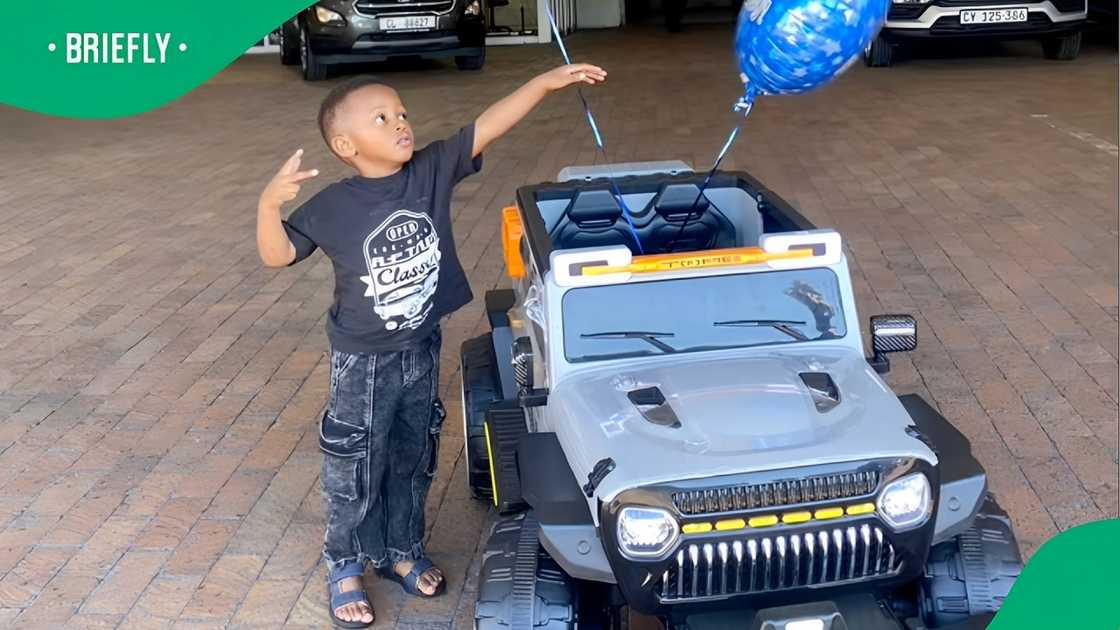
[
  {"x": 553, "y": 590},
  {"x": 881, "y": 54},
  {"x": 480, "y": 390},
  {"x": 471, "y": 62},
  {"x": 289, "y": 49},
  {"x": 315, "y": 71},
  {"x": 1064, "y": 48}
]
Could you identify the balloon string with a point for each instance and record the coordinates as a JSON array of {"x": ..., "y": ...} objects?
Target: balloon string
[
  {"x": 594, "y": 130},
  {"x": 744, "y": 105}
]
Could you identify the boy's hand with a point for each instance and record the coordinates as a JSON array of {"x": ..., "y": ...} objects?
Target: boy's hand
[
  {"x": 564, "y": 76},
  {"x": 284, "y": 186},
  {"x": 503, "y": 115}
]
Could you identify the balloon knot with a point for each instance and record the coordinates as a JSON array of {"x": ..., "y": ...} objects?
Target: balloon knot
[{"x": 744, "y": 105}]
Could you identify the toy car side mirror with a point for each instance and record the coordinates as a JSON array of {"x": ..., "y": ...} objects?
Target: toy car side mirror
[
  {"x": 891, "y": 333},
  {"x": 523, "y": 375}
]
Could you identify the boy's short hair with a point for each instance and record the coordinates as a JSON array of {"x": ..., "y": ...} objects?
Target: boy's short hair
[{"x": 335, "y": 97}]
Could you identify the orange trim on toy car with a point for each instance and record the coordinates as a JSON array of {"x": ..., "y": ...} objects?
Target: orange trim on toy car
[
  {"x": 512, "y": 231},
  {"x": 698, "y": 260}
]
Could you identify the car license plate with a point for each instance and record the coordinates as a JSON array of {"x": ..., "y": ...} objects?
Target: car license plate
[
  {"x": 408, "y": 23},
  {"x": 994, "y": 16}
]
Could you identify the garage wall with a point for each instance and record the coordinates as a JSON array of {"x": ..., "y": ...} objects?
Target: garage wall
[
  {"x": 656, "y": 5},
  {"x": 511, "y": 16},
  {"x": 599, "y": 13}
]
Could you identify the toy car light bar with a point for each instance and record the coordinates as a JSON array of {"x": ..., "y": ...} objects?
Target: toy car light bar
[
  {"x": 825, "y": 245},
  {"x": 614, "y": 264}
]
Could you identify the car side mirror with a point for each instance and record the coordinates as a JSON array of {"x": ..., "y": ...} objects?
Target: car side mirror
[
  {"x": 523, "y": 374},
  {"x": 891, "y": 333}
]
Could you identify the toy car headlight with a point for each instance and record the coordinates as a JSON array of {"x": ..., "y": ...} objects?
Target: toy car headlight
[
  {"x": 905, "y": 503},
  {"x": 646, "y": 532}
]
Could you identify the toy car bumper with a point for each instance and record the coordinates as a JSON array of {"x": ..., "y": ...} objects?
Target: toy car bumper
[
  {"x": 854, "y": 612},
  {"x": 984, "y": 18}
]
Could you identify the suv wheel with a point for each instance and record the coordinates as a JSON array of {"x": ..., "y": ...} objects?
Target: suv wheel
[
  {"x": 1062, "y": 48},
  {"x": 471, "y": 63},
  {"x": 878, "y": 53},
  {"x": 289, "y": 43},
  {"x": 313, "y": 70}
]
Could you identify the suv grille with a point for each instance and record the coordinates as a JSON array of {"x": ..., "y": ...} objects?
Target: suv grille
[
  {"x": 1064, "y": 6},
  {"x": 382, "y": 7},
  {"x": 759, "y": 564},
  {"x": 1069, "y": 6},
  {"x": 776, "y": 494},
  {"x": 906, "y": 11}
]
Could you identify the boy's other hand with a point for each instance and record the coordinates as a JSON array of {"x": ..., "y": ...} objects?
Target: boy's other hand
[
  {"x": 284, "y": 186},
  {"x": 564, "y": 76}
]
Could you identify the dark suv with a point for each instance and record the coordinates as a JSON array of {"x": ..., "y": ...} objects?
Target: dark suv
[{"x": 358, "y": 31}]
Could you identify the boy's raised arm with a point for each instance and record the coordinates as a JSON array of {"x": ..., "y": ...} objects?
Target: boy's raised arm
[
  {"x": 503, "y": 115},
  {"x": 273, "y": 244}
]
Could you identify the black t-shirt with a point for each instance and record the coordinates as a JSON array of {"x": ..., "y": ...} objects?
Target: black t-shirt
[{"x": 395, "y": 267}]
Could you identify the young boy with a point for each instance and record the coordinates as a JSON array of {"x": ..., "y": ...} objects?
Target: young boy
[{"x": 387, "y": 232}]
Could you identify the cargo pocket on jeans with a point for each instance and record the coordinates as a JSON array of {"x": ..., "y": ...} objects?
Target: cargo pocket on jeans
[
  {"x": 341, "y": 478},
  {"x": 341, "y": 439},
  {"x": 435, "y": 425}
]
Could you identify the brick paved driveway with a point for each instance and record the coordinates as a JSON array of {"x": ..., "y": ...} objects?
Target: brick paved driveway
[{"x": 159, "y": 389}]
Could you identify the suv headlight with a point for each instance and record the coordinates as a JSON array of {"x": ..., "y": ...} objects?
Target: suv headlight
[
  {"x": 473, "y": 8},
  {"x": 646, "y": 532},
  {"x": 905, "y": 503},
  {"x": 326, "y": 16}
]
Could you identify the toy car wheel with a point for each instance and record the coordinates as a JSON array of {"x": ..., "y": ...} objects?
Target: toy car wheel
[
  {"x": 878, "y": 53},
  {"x": 520, "y": 585},
  {"x": 1062, "y": 48},
  {"x": 289, "y": 43},
  {"x": 474, "y": 62},
  {"x": 480, "y": 390},
  {"x": 313, "y": 70},
  {"x": 972, "y": 573}
]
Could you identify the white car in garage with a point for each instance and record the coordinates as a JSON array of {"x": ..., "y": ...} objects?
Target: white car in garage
[{"x": 1056, "y": 23}]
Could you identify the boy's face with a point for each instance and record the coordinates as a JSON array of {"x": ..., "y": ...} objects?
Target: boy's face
[{"x": 371, "y": 128}]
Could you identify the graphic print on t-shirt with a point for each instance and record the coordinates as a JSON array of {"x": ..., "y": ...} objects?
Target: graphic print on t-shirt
[{"x": 402, "y": 256}]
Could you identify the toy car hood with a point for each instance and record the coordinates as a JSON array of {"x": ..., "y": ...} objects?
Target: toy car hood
[{"x": 729, "y": 415}]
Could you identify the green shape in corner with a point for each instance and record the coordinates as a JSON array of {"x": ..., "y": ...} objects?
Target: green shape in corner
[
  {"x": 1071, "y": 583},
  {"x": 37, "y": 51}
]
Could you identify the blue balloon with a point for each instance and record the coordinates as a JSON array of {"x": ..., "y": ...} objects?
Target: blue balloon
[{"x": 792, "y": 46}]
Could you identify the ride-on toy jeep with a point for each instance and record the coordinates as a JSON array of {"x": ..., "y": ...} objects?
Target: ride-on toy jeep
[{"x": 689, "y": 429}]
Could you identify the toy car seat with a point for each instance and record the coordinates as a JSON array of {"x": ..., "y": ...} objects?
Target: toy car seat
[
  {"x": 705, "y": 227},
  {"x": 592, "y": 219}
]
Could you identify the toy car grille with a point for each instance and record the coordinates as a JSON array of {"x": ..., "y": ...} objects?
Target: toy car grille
[
  {"x": 776, "y": 494},
  {"x": 825, "y": 557}
]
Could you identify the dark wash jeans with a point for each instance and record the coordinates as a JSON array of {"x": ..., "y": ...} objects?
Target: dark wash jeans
[{"x": 380, "y": 442}]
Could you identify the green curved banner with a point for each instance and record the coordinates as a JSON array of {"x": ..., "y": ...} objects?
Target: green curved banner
[
  {"x": 121, "y": 57},
  {"x": 1071, "y": 582}
]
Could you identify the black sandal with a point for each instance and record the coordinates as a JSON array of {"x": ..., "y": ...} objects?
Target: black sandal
[
  {"x": 338, "y": 598},
  {"x": 410, "y": 582}
]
